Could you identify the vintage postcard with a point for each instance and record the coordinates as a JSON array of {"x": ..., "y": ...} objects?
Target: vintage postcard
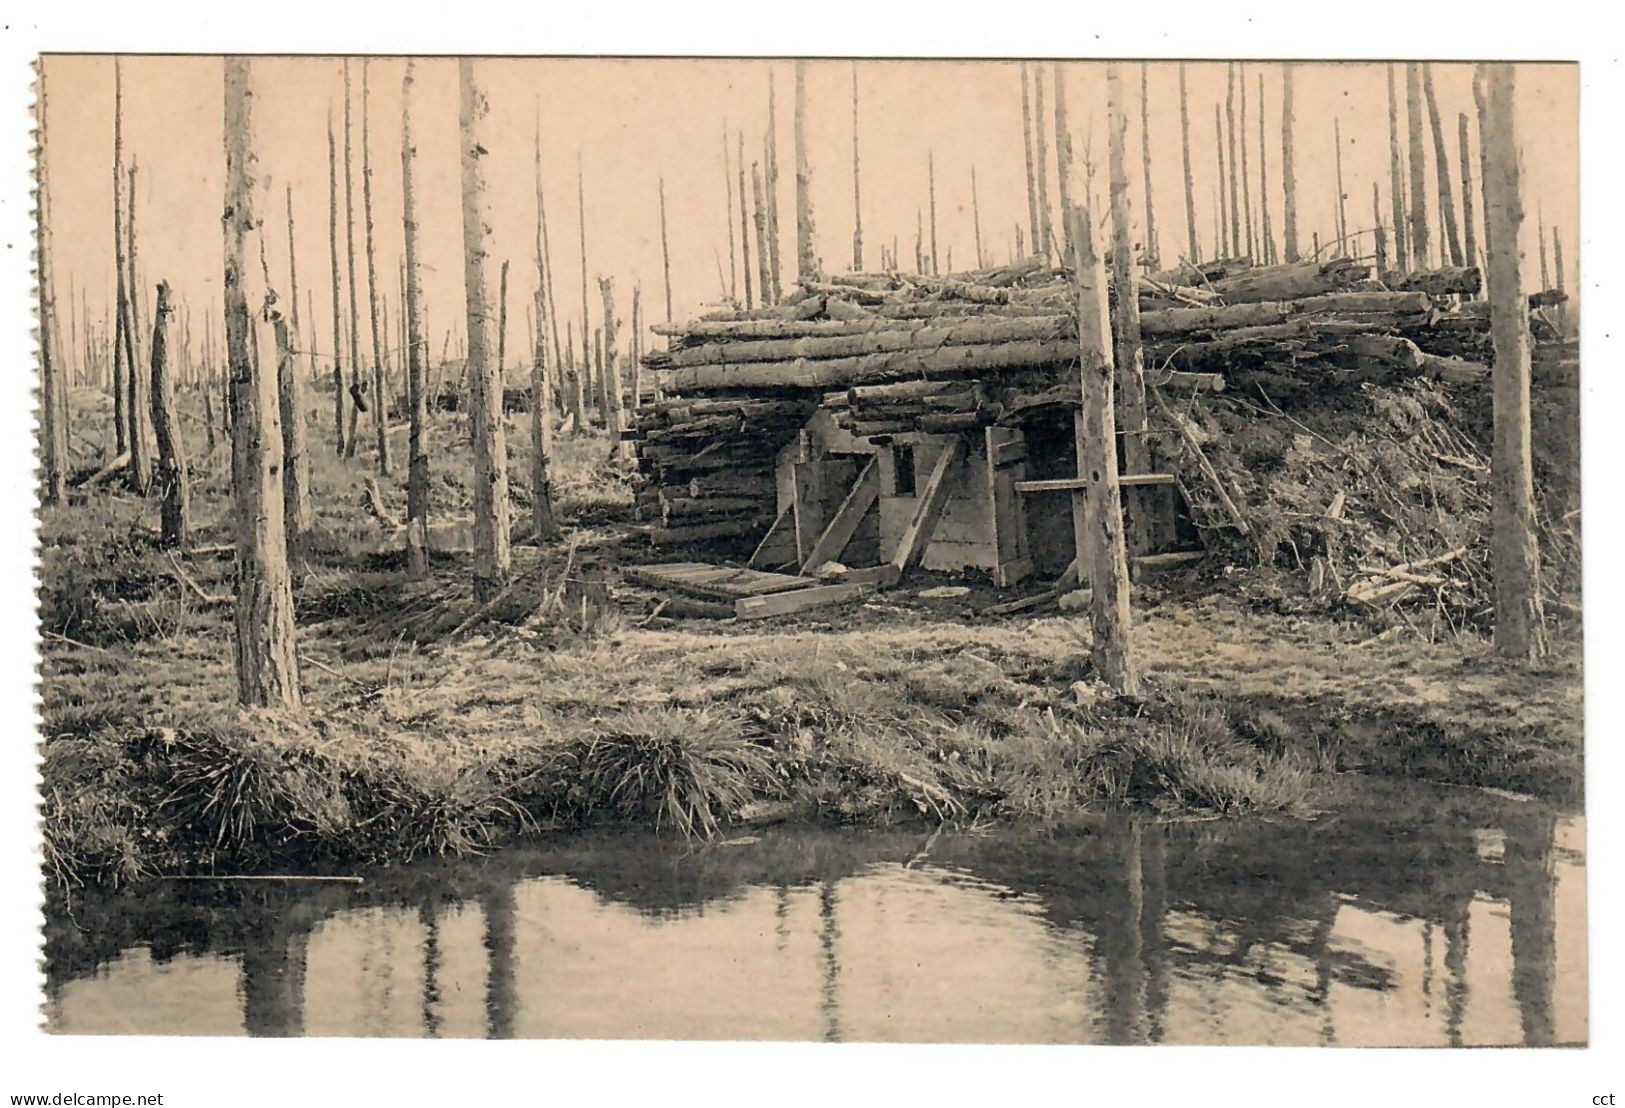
[{"x": 935, "y": 551}]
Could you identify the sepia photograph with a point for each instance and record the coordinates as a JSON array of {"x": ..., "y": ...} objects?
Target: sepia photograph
[{"x": 880, "y": 550}]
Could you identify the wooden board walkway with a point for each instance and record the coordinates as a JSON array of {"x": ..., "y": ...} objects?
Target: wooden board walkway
[{"x": 752, "y": 593}]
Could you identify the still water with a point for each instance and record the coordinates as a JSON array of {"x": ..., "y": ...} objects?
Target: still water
[{"x": 1407, "y": 915}]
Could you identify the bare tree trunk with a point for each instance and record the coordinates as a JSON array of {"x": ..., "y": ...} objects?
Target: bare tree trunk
[
  {"x": 600, "y": 386},
  {"x": 744, "y": 233},
  {"x": 1152, "y": 248},
  {"x": 1129, "y": 358},
  {"x": 137, "y": 405},
  {"x": 1098, "y": 513},
  {"x": 293, "y": 267},
  {"x": 1342, "y": 194},
  {"x": 491, "y": 555},
  {"x": 1441, "y": 162},
  {"x": 380, "y": 394},
  {"x": 1227, "y": 247},
  {"x": 1266, "y": 232},
  {"x": 1396, "y": 179},
  {"x": 121, "y": 418},
  {"x": 733, "y": 248},
  {"x": 357, "y": 389},
  {"x": 1046, "y": 240},
  {"x": 266, "y": 656},
  {"x": 544, "y": 525},
  {"x": 1063, "y": 154},
  {"x": 1540, "y": 233},
  {"x": 338, "y": 325},
  {"x": 976, "y": 221},
  {"x": 931, "y": 199},
  {"x": 857, "y": 189},
  {"x": 1469, "y": 231},
  {"x": 1238, "y": 245},
  {"x": 1246, "y": 177},
  {"x": 761, "y": 222},
  {"x": 502, "y": 328},
  {"x": 586, "y": 310},
  {"x": 1289, "y": 173},
  {"x": 1193, "y": 245},
  {"x": 636, "y": 348},
  {"x": 1379, "y": 231},
  {"x": 1419, "y": 191},
  {"x": 773, "y": 291},
  {"x": 295, "y": 457},
  {"x": 1557, "y": 269},
  {"x": 665, "y": 250},
  {"x": 807, "y": 267},
  {"x": 53, "y": 409},
  {"x": 1027, "y": 148},
  {"x": 417, "y": 458},
  {"x": 1515, "y": 552}
]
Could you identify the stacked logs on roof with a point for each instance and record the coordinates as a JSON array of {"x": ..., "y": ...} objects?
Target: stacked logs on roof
[
  {"x": 891, "y": 353},
  {"x": 708, "y": 462}
]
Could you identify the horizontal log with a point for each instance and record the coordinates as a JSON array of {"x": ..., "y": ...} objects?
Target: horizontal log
[
  {"x": 1177, "y": 321},
  {"x": 698, "y": 532},
  {"x": 986, "y": 329},
  {"x": 1461, "y": 280},
  {"x": 902, "y": 390},
  {"x": 826, "y": 373},
  {"x": 1456, "y": 371},
  {"x": 1291, "y": 281}
]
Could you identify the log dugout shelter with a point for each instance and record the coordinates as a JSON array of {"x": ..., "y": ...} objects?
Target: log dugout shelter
[{"x": 885, "y": 421}]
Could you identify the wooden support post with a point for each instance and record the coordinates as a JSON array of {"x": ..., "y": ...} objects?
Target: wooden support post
[
  {"x": 1514, "y": 550},
  {"x": 1097, "y": 512},
  {"x": 491, "y": 526},
  {"x": 266, "y": 657},
  {"x": 1130, "y": 360}
]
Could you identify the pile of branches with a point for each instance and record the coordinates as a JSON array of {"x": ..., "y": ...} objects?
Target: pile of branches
[{"x": 1375, "y": 501}]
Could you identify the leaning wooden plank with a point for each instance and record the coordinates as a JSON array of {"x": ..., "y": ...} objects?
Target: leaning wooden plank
[
  {"x": 1215, "y": 483},
  {"x": 784, "y": 603},
  {"x": 856, "y": 504},
  {"x": 933, "y": 499},
  {"x": 778, "y": 546}
]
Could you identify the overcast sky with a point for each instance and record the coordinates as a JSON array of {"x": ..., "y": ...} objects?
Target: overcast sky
[{"x": 630, "y": 122}]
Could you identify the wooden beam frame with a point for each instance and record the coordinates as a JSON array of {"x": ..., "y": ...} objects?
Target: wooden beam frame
[
  {"x": 932, "y": 500},
  {"x": 862, "y": 496}
]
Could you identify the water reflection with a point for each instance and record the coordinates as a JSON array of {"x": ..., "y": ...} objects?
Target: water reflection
[{"x": 1415, "y": 917}]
